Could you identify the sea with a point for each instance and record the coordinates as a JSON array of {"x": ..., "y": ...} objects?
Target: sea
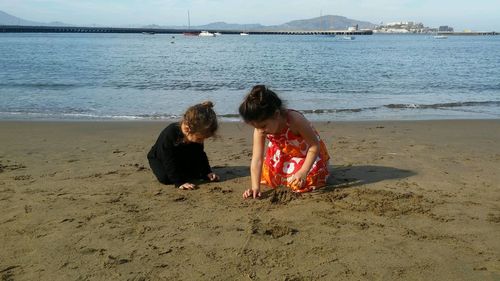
[{"x": 81, "y": 76}]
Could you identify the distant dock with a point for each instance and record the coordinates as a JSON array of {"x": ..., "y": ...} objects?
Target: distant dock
[
  {"x": 86, "y": 29},
  {"x": 315, "y": 32},
  {"x": 76, "y": 29},
  {"x": 468, "y": 33}
]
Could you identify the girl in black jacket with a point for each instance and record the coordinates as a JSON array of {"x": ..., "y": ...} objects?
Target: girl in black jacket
[{"x": 178, "y": 155}]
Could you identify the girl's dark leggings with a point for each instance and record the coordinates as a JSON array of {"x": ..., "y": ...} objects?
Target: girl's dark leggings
[{"x": 159, "y": 170}]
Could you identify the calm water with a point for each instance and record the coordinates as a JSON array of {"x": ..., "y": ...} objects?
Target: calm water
[{"x": 135, "y": 76}]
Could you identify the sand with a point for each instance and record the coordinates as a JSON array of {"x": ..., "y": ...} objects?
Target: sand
[{"x": 415, "y": 200}]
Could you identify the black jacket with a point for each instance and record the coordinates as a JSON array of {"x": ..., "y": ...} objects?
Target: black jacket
[{"x": 180, "y": 159}]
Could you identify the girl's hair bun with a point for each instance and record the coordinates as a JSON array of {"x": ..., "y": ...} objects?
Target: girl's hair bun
[{"x": 208, "y": 104}]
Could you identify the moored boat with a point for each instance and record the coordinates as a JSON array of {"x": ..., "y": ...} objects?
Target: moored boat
[
  {"x": 191, "y": 33},
  {"x": 205, "y": 33}
]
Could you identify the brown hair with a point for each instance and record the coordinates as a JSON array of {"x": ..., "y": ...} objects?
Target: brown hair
[
  {"x": 201, "y": 119},
  {"x": 260, "y": 104}
]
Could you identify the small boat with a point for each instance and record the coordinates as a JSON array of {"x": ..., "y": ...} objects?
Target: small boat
[
  {"x": 243, "y": 34},
  {"x": 205, "y": 33},
  {"x": 348, "y": 37},
  {"x": 217, "y": 33},
  {"x": 190, "y": 33},
  {"x": 440, "y": 37}
]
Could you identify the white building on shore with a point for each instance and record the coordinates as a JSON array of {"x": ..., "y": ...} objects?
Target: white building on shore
[{"x": 404, "y": 27}]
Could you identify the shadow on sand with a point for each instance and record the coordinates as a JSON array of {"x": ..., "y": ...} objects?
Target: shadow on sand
[
  {"x": 351, "y": 176},
  {"x": 340, "y": 176},
  {"x": 231, "y": 172}
]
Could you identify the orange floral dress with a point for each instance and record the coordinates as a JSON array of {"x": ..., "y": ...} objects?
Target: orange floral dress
[{"x": 285, "y": 155}]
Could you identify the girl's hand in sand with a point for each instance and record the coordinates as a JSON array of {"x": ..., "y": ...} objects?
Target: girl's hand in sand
[
  {"x": 298, "y": 179},
  {"x": 251, "y": 193},
  {"x": 213, "y": 177},
  {"x": 187, "y": 186}
]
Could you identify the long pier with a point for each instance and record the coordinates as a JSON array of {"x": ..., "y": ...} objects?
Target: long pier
[
  {"x": 469, "y": 33},
  {"x": 83, "y": 29},
  {"x": 86, "y": 29}
]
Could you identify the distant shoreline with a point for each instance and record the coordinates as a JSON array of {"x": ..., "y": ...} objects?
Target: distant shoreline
[
  {"x": 456, "y": 33},
  {"x": 84, "y": 29}
]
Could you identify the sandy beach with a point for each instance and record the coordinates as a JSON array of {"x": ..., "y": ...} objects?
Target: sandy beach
[{"x": 415, "y": 200}]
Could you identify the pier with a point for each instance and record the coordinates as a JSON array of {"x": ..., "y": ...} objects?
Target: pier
[
  {"x": 76, "y": 29},
  {"x": 315, "y": 32},
  {"x": 468, "y": 33},
  {"x": 86, "y": 29}
]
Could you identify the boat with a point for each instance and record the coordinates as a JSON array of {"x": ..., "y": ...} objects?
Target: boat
[
  {"x": 348, "y": 37},
  {"x": 205, "y": 33},
  {"x": 440, "y": 37},
  {"x": 190, "y": 33},
  {"x": 217, "y": 33},
  {"x": 243, "y": 34}
]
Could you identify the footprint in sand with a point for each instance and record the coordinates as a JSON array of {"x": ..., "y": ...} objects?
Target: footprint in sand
[
  {"x": 23, "y": 178},
  {"x": 180, "y": 198},
  {"x": 223, "y": 190},
  {"x": 7, "y": 273},
  {"x": 137, "y": 166},
  {"x": 114, "y": 261},
  {"x": 277, "y": 231},
  {"x": 274, "y": 228},
  {"x": 10, "y": 167},
  {"x": 494, "y": 218}
]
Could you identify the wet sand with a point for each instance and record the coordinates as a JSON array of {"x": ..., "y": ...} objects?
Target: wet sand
[{"x": 416, "y": 200}]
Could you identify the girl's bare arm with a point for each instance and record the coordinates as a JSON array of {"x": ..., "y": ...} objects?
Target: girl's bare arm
[{"x": 257, "y": 160}]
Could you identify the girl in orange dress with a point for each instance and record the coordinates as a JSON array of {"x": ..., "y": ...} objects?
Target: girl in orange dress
[{"x": 295, "y": 157}]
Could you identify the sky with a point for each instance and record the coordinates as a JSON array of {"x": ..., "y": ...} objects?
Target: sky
[{"x": 478, "y": 15}]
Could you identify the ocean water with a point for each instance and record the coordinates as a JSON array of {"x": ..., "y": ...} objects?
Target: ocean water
[{"x": 136, "y": 76}]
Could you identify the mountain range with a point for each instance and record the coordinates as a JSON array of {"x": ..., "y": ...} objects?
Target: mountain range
[
  {"x": 327, "y": 22},
  {"x": 6, "y": 19}
]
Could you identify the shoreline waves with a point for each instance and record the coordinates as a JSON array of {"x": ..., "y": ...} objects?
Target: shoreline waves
[{"x": 393, "y": 112}]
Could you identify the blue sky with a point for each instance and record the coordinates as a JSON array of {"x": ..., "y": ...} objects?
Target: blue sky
[{"x": 479, "y": 15}]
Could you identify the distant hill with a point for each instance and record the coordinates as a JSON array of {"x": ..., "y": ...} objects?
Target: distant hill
[
  {"x": 6, "y": 19},
  {"x": 328, "y": 22},
  {"x": 229, "y": 26},
  {"x": 324, "y": 23}
]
